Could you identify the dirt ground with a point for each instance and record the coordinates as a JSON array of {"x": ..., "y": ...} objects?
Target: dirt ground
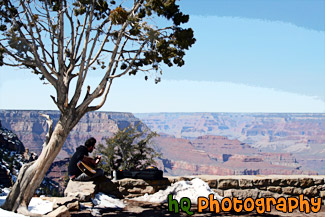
[{"x": 145, "y": 209}]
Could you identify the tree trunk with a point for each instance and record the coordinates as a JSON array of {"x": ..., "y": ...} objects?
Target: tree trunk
[{"x": 31, "y": 174}]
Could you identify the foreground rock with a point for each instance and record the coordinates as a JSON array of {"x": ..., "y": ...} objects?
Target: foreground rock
[
  {"x": 228, "y": 186},
  {"x": 84, "y": 191},
  {"x": 62, "y": 211}
]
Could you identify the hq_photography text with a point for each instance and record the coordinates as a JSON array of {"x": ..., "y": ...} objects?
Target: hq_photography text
[{"x": 260, "y": 205}]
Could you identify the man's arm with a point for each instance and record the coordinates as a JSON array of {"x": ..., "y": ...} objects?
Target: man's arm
[{"x": 90, "y": 161}]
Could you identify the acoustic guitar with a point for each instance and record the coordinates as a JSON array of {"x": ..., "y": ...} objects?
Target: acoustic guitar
[
  {"x": 88, "y": 170},
  {"x": 87, "y": 166}
]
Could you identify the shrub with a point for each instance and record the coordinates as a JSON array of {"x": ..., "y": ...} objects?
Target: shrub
[{"x": 127, "y": 149}]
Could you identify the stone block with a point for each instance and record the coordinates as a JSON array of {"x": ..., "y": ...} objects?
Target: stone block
[
  {"x": 60, "y": 201},
  {"x": 228, "y": 183},
  {"x": 306, "y": 182},
  {"x": 86, "y": 205},
  {"x": 293, "y": 182},
  {"x": 245, "y": 183},
  {"x": 228, "y": 193},
  {"x": 287, "y": 190},
  {"x": 173, "y": 179},
  {"x": 84, "y": 191},
  {"x": 108, "y": 187},
  {"x": 266, "y": 194},
  {"x": 242, "y": 193},
  {"x": 322, "y": 194},
  {"x": 212, "y": 183},
  {"x": 278, "y": 182},
  {"x": 318, "y": 181},
  {"x": 62, "y": 211},
  {"x": 311, "y": 191},
  {"x": 275, "y": 189},
  {"x": 321, "y": 187},
  {"x": 73, "y": 206},
  {"x": 297, "y": 191},
  {"x": 218, "y": 191},
  {"x": 261, "y": 182},
  {"x": 145, "y": 190}
]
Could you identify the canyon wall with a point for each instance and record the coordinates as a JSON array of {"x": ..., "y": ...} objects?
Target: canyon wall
[
  {"x": 302, "y": 135},
  {"x": 218, "y": 155},
  {"x": 183, "y": 153},
  {"x": 31, "y": 128}
]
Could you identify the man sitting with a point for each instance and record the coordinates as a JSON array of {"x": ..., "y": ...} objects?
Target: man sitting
[{"x": 81, "y": 154}]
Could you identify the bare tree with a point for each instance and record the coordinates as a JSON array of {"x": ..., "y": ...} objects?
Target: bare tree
[{"x": 63, "y": 41}]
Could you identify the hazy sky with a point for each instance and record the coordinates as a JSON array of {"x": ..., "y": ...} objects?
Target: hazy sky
[{"x": 250, "y": 56}]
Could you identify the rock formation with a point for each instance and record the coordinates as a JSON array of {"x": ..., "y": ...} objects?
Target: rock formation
[
  {"x": 217, "y": 155},
  {"x": 300, "y": 134},
  {"x": 31, "y": 128},
  {"x": 201, "y": 143}
]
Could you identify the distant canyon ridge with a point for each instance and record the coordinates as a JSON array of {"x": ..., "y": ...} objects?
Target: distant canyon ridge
[
  {"x": 196, "y": 143},
  {"x": 300, "y": 135}
]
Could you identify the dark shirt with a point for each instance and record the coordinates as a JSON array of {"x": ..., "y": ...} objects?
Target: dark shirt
[{"x": 73, "y": 169}]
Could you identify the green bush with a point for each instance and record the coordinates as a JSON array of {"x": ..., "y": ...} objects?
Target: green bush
[{"x": 127, "y": 149}]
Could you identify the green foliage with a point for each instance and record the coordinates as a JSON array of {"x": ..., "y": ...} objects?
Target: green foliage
[
  {"x": 118, "y": 16},
  {"x": 127, "y": 149},
  {"x": 24, "y": 26}
]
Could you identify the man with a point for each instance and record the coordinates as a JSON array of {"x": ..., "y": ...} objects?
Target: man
[{"x": 81, "y": 154}]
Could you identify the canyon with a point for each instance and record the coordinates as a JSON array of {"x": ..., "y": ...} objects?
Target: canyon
[
  {"x": 301, "y": 135},
  {"x": 195, "y": 143},
  {"x": 31, "y": 127}
]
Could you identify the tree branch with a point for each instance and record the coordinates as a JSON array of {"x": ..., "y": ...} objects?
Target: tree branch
[
  {"x": 49, "y": 121},
  {"x": 40, "y": 41},
  {"x": 94, "y": 108},
  {"x": 130, "y": 65},
  {"x": 73, "y": 44},
  {"x": 81, "y": 35},
  {"x": 102, "y": 46},
  {"x": 47, "y": 75},
  {"x": 103, "y": 83},
  {"x": 82, "y": 74}
]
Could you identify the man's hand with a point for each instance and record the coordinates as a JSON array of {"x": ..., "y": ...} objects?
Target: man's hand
[{"x": 97, "y": 159}]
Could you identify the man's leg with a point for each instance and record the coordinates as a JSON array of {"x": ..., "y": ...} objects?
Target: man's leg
[
  {"x": 84, "y": 177},
  {"x": 99, "y": 172}
]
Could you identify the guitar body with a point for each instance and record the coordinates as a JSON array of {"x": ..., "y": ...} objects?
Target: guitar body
[{"x": 88, "y": 170}]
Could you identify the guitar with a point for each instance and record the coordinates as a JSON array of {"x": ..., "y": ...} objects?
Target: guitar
[{"x": 87, "y": 165}]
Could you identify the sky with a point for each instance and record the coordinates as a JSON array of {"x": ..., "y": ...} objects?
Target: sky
[{"x": 250, "y": 56}]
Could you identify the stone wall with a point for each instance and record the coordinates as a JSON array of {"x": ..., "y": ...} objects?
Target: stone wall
[
  {"x": 236, "y": 186},
  {"x": 137, "y": 187},
  {"x": 79, "y": 194}
]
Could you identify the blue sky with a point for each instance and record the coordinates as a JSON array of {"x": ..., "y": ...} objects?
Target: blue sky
[{"x": 250, "y": 56}]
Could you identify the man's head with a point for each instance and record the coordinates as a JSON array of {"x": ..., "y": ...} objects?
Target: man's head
[{"x": 90, "y": 144}]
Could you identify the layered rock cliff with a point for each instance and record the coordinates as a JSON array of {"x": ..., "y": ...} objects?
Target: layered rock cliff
[
  {"x": 216, "y": 155},
  {"x": 204, "y": 154},
  {"x": 31, "y": 128},
  {"x": 282, "y": 132},
  {"x": 300, "y": 134}
]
